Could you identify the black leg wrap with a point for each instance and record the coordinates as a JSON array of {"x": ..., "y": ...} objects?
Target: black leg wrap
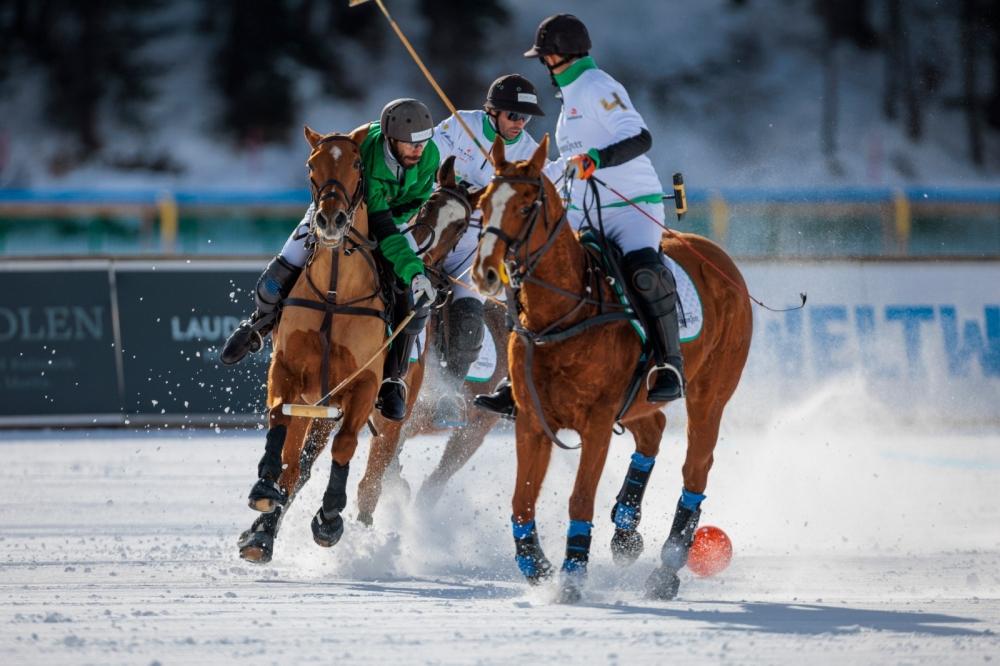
[
  {"x": 335, "y": 497},
  {"x": 627, "y": 511},
  {"x": 675, "y": 551},
  {"x": 269, "y": 466},
  {"x": 663, "y": 583},
  {"x": 577, "y": 553},
  {"x": 257, "y": 543},
  {"x": 328, "y": 525}
]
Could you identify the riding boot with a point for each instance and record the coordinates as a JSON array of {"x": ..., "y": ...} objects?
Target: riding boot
[
  {"x": 654, "y": 294},
  {"x": 463, "y": 341},
  {"x": 500, "y": 401},
  {"x": 391, "y": 400},
  {"x": 273, "y": 286}
]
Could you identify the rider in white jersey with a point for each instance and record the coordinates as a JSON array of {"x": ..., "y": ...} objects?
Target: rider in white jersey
[
  {"x": 600, "y": 130},
  {"x": 510, "y": 104}
]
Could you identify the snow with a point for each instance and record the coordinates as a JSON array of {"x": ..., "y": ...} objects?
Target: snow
[{"x": 856, "y": 540}]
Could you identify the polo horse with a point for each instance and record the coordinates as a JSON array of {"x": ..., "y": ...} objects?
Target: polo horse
[
  {"x": 577, "y": 364},
  {"x": 333, "y": 321},
  {"x": 449, "y": 208}
]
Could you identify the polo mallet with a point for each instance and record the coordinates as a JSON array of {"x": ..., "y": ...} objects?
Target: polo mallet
[{"x": 426, "y": 72}]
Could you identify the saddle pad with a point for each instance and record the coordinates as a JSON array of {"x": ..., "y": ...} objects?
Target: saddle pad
[
  {"x": 481, "y": 370},
  {"x": 690, "y": 316}
]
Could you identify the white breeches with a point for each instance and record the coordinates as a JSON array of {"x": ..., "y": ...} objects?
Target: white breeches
[{"x": 626, "y": 226}]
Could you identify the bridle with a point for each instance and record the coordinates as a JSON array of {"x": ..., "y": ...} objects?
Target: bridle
[
  {"x": 520, "y": 265},
  {"x": 519, "y": 269},
  {"x": 333, "y": 188},
  {"x": 454, "y": 193}
]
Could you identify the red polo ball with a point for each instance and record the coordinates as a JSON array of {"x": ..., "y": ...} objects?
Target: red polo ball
[{"x": 711, "y": 551}]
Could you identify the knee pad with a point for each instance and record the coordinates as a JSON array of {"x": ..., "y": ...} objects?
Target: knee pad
[
  {"x": 466, "y": 327},
  {"x": 649, "y": 278},
  {"x": 275, "y": 283}
]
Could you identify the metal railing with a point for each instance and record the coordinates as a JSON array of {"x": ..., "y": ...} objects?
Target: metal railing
[{"x": 749, "y": 222}]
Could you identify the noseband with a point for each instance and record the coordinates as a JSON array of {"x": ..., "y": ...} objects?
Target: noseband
[{"x": 520, "y": 268}]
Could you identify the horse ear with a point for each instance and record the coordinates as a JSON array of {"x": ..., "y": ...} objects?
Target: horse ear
[
  {"x": 475, "y": 196},
  {"x": 496, "y": 152},
  {"x": 537, "y": 160},
  {"x": 446, "y": 173},
  {"x": 312, "y": 136}
]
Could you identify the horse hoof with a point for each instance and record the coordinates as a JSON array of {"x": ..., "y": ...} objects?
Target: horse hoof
[
  {"x": 366, "y": 519},
  {"x": 662, "y": 584},
  {"x": 541, "y": 573},
  {"x": 327, "y": 531},
  {"x": 570, "y": 590},
  {"x": 626, "y": 546},
  {"x": 256, "y": 546},
  {"x": 266, "y": 496}
]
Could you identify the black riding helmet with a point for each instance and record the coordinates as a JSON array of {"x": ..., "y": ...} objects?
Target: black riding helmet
[
  {"x": 406, "y": 120},
  {"x": 513, "y": 92},
  {"x": 561, "y": 34}
]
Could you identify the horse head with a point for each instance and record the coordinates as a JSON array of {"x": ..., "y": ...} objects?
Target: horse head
[
  {"x": 444, "y": 217},
  {"x": 337, "y": 185},
  {"x": 512, "y": 204}
]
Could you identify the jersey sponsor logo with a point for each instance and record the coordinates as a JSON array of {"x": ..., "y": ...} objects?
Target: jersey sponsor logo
[
  {"x": 608, "y": 106},
  {"x": 573, "y": 114},
  {"x": 570, "y": 147}
]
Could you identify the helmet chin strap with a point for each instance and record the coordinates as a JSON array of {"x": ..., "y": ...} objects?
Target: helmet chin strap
[{"x": 551, "y": 68}]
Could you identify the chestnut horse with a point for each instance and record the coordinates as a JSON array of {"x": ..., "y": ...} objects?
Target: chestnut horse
[
  {"x": 581, "y": 369},
  {"x": 333, "y": 322}
]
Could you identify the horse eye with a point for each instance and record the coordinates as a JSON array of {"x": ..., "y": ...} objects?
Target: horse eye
[{"x": 357, "y": 164}]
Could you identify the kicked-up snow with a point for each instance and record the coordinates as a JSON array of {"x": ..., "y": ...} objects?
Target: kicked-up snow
[{"x": 855, "y": 541}]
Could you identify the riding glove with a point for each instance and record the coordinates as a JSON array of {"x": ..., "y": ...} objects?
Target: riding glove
[{"x": 421, "y": 287}]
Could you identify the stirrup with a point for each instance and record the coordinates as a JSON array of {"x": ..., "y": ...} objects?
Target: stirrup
[{"x": 665, "y": 367}]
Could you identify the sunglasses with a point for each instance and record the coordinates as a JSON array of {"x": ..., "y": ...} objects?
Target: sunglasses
[{"x": 514, "y": 116}]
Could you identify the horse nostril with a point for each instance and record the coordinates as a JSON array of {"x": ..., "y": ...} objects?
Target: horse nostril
[
  {"x": 341, "y": 219},
  {"x": 321, "y": 220},
  {"x": 492, "y": 277}
]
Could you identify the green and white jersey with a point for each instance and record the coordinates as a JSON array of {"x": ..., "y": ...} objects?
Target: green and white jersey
[
  {"x": 597, "y": 112},
  {"x": 471, "y": 166}
]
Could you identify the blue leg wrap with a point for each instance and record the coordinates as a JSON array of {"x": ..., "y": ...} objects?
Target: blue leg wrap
[
  {"x": 690, "y": 500},
  {"x": 577, "y": 546},
  {"x": 530, "y": 558},
  {"x": 627, "y": 512}
]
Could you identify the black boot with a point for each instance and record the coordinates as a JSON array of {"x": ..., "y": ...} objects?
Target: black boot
[
  {"x": 501, "y": 401},
  {"x": 654, "y": 294},
  {"x": 391, "y": 400},
  {"x": 273, "y": 286},
  {"x": 462, "y": 342}
]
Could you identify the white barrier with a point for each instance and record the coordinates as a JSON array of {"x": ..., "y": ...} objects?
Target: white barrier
[{"x": 921, "y": 338}]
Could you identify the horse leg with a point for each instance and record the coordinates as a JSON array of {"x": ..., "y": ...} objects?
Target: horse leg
[
  {"x": 534, "y": 450},
  {"x": 384, "y": 450},
  {"x": 278, "y": 481},
  {"x": 380, "y": 454},
  {"x": 704, "y": 417},
  {"x": 461, "y": 446},
  {"x": 328, "y": 524},
  {"x": 319, "y": 435},
  {"x": 593, "y": 455},
  {"x": 626, "y": 544}
]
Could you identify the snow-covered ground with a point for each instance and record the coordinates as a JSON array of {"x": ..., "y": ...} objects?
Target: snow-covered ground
[{"x": 856, "y": 541}]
